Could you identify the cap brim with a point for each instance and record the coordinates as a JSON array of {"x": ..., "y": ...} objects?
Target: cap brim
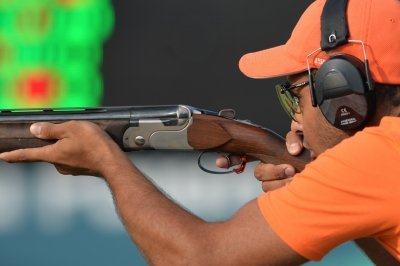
[{"x": 270, "y": 63}]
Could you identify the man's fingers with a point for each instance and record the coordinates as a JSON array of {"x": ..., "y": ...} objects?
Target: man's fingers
[
  {"x": 272, "y": 185},
  {"x": 27, "y": 155},
  {"x": 268, "y": 172},
  {"x": 226, "y": 161},
  {"x": 294, "y": 143},
  {"x": 45, "y": 130}
]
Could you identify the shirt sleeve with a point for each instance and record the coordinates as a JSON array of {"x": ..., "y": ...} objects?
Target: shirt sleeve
[{"x": 340, "y": 196}]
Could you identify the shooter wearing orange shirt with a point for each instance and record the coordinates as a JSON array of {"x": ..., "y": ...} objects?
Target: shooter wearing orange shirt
[{"x": 343, "y": 94}]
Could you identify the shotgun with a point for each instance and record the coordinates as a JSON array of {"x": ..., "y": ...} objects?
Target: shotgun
[{"x": 166, "y": 127}]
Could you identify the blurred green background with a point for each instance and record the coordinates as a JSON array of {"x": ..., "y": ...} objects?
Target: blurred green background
[{"x": 51, "y": 52}]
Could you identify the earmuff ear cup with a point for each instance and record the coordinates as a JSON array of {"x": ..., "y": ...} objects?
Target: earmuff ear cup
[
  {"x": 341, "y": 92},
  {"x": 346, "y": 112}
]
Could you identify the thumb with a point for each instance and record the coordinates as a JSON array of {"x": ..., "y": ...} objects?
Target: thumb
[
  {"x": 294, "y": 143},
  {"x": 45, "y": 130}
]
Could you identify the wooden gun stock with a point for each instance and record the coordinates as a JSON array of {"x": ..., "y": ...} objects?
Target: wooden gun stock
[{"x": 226, "y": 135}]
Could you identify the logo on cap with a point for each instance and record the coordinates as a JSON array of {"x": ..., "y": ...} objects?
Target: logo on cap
[{"x": 319, "y": 61}]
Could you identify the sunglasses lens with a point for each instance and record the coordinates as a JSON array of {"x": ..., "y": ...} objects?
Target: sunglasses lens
[{"x": 289, "y": 102}]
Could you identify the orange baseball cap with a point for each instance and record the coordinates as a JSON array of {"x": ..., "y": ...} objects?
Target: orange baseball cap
[{"x": 375, "y": 22}]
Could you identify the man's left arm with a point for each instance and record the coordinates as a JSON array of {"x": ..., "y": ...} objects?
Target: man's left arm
[{"x": 166, "y": 233}]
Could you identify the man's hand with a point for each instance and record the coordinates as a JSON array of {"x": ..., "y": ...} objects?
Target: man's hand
[
  {"x": 271, "y": 176},
  {"x": 82, "y": 148}
]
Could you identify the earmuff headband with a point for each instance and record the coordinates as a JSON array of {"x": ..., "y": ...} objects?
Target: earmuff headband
[{"x": 334, "y": 28}]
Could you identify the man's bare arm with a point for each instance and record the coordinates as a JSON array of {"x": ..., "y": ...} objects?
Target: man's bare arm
[{"x": 166, "y": 233}]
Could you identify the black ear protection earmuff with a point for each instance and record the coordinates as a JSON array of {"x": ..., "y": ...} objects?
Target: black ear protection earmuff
[{"x": 341, "y": 87}]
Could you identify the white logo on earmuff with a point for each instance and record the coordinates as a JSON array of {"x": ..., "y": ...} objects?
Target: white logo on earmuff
[{"x": 344, "y": 112}]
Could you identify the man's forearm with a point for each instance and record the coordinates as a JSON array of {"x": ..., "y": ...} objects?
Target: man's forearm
[
  {"x": 165, "y": 233},
  {"x": 169, "y": 235}
]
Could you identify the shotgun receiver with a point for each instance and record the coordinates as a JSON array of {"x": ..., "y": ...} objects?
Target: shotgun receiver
[{"x": 170, "y": 127}]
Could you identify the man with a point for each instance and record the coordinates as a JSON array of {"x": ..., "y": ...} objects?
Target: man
[{"x": 349, "y": 191}]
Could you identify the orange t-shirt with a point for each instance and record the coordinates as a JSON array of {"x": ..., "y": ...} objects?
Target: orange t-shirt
[{"x": 348, "y": 192}]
